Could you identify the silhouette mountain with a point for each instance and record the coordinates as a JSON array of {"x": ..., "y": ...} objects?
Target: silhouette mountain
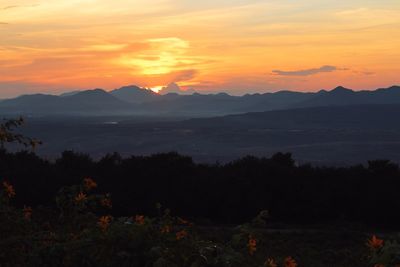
[
  {"x": 95, "y": 101},
  {"x": 134, "y": 94},
  {"x": 134, "y": 100},
  {"x": 70, "y": 93},
  {"x": 344, "y": 96},
  {"x": 27, "y": 100}
]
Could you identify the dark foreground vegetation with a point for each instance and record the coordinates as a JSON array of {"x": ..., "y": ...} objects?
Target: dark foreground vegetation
[
  {"x": 229, "y": 193},
  {"x": 78, "y": 231},
  {"x": 116, "y": 211}
]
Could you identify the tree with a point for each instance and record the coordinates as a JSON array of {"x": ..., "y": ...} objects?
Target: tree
[{"x": 7, "y": 134}]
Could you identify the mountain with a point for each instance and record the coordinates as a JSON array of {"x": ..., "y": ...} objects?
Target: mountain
[
  {"x": 134, "y": 94},
  {"x": 344, "y": 96},
  {"x": 193, "y": 105},
  {"x": 30, "y": 100},
  {"x": 70, "y": 93},
  {"x": 223, "y": 103},
  {"x": 133, "y": 100},
  {"x": 37, "y": 103},
  {"x": 93, "y": 102}
]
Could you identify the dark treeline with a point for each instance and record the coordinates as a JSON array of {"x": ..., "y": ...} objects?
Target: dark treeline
[{"x": 229, "y": 193}]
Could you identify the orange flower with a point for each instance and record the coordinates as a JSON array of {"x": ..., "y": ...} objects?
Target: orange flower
[
  {"x": 106, "y": 202},
  {"x": 270, "y": 263},
  {"x": 9, "y": 189},
  {"x": 380, "y": 265},
  {"x": 252, "y": 245},
  {"x": 165, "y": 229},
  {"x": 181, "y": 234},
  {"x": 290, "y": 262},
  {"x": 89, "y": 183},
  {"x": 81, "y": 197},
  {"x": 104, "y": 222},
  {"x": 27, "y": 213},
  {"x": 375, "y": 243},
  {"x": 139, "y": 219}
]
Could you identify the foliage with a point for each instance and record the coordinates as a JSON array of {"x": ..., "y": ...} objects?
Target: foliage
[
  {"x": 7, "y": 134},
  {"x": 78, "y": 232},
  {"x": 228, "y": 193},
  {"x": 77, "y": 229},
  {"x": 384, "y": 253}
]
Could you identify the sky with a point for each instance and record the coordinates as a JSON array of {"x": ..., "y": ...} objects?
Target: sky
[{"x": 235, "y": 46}]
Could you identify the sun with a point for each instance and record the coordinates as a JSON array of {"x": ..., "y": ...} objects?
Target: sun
[{"x": 156, "y": 89}]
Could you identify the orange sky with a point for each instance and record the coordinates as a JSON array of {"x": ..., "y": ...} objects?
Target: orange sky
[{"x": 235, "y": 46}]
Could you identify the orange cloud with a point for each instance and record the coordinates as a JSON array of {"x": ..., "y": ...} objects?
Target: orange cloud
[{"x": 306, "y": 72}]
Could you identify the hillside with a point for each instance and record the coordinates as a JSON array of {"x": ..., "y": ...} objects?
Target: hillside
[{"x": 348, "y": 134}]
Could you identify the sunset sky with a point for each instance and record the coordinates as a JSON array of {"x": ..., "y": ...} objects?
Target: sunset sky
[{"x": 237, "y": 46}]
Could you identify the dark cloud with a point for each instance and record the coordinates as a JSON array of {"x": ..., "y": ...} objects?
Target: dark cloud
[
  {"x": 9, "y": 7},
  {"x": 368, "y": 73},
  {"x": 306, "y": 72},
  {"x": 17, "y": 6},
  {"x": 363, "y": 72}
]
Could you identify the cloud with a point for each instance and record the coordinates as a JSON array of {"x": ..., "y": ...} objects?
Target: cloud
[
  {"x": 3, "y": 23},
  {"x": 163, "y": 56},
  {"x": 368, "y": 73},
  {"x": 9, "y": 7},
  {"x": 17, "y": 6},
  {"x": 185, "y": 75},
  {"x": 306, "y": 72},
  {"x": 363, "y": 72}
]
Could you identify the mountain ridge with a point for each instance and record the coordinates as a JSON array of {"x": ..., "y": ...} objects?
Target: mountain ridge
[{"x": 133, "y": 100}]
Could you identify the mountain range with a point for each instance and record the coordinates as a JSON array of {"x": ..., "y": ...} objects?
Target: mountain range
[{"x": 133, "y": 100}]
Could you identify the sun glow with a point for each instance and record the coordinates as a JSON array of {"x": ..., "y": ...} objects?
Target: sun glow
[{"x": 156, "y": 89}]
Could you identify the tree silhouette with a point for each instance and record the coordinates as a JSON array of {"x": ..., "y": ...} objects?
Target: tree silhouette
[{"x": 7, "y": 134}]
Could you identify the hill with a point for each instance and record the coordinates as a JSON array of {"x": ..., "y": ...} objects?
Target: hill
[{"x": 89, "y": 102}]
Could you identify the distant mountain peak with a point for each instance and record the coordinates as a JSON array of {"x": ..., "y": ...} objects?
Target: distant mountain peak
[
  {"x": 341, "y": 89},
  {"x": 133, "y": 88},
  {"x": 134, "y": 94},
  {"x": 394, "y": 87},
  {"x": 70, "y": 93},
  {"x": 223, "y": 94},
  {"x": 96, "y": 91}
]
